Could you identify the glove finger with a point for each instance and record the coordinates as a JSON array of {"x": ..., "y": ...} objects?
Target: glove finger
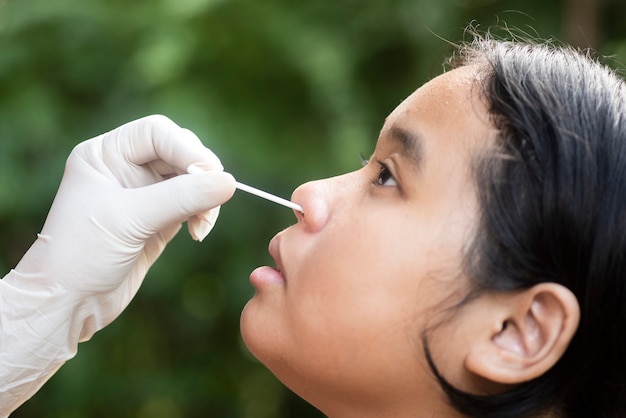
[
  {"x": 157, "y": 137},
  {"x": 164, "y": 170},
  {"x": 172, "y": 201},
  {"x": 201, "y": 224}
]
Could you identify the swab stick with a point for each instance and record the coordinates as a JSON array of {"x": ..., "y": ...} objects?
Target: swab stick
[{"x": 268, "y": 196}]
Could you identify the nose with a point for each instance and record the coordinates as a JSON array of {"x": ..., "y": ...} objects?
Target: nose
[{"x": 314, "y": 199}]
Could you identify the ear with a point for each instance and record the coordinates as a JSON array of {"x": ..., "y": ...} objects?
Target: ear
[{"x": 525, "y": 333}]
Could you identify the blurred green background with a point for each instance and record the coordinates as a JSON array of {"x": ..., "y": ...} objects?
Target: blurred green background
[{"x": 283, "y": 91}]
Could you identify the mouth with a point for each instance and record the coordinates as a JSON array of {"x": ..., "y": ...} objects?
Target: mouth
[{"x": 264, "y": 277}]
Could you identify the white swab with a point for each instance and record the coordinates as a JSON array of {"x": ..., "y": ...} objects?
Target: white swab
[{"x": 268, "y": 196}]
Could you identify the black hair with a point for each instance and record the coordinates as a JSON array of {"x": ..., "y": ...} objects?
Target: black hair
[{"x": 552, "y": 193}]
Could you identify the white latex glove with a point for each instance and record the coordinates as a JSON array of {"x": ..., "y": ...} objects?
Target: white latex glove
[{"x": 123, "y": 196}]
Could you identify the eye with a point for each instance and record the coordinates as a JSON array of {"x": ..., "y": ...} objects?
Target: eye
[{"x": 385, "y": 178}]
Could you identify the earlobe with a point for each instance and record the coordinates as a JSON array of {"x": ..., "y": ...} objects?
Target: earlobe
[{"x": 535, "y": 328}]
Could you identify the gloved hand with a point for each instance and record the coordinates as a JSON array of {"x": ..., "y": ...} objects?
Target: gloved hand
[{"x": 123, "y": 196}]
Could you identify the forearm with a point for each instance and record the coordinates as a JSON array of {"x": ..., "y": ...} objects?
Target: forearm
[{"x": 40, "y": 326}]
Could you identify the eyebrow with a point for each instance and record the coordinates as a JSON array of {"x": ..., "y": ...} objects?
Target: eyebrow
[{"x": 412, "y": 144}]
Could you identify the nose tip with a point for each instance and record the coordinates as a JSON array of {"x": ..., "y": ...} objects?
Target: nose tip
[{"x": 315, "y": 209}]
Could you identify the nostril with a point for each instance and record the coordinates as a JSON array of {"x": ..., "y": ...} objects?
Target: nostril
[{"x": 299, "y": 214}]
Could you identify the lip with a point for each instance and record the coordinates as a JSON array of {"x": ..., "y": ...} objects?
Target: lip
[
  {"x": 267, "y": 275},
  {"x": 274, "y": 250}
]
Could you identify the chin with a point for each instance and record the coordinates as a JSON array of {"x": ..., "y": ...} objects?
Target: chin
[
  {"x": 247, "y": 327},
  {"x": 257, "y": 332}
]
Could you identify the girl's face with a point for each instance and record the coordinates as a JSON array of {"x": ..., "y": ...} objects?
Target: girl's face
[{"x": 373, "y": 260}]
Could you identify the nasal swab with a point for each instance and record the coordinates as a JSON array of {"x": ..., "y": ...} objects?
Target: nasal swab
[{"x": 268, "y": 196}]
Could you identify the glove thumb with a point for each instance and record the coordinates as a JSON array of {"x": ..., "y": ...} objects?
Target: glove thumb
[{"x": 174, "y": 200}]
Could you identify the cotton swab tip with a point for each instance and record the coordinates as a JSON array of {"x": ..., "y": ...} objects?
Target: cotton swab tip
[{"x": 268, "y": 196}]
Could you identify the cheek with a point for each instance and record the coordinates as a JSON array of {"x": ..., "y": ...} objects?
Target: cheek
[
  {"x": 347, "y": 285},
  {"x": 354, "y": 309},
  {"x": 357, "y": 294}
]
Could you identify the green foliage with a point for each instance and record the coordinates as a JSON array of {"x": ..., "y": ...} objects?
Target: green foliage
[{"x": 283, "y": 91}]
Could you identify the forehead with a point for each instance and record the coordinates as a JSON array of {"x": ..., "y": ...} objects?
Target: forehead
[
  {"x": 447, "y": 96},
  {"x": 447, "y": 111}
]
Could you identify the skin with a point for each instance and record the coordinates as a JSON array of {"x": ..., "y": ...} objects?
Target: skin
[{"x": 373, "y": 262}]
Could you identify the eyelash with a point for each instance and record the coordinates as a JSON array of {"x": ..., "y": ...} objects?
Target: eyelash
[
  {"x": 384, "y": 173},
  {"x": 364, "y": 161}
]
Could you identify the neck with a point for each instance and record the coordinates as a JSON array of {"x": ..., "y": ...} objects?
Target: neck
[{"x": 436, "y": 408}]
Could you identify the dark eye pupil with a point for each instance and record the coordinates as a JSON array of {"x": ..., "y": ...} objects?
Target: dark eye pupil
[{"x": 383, "y": 176}]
